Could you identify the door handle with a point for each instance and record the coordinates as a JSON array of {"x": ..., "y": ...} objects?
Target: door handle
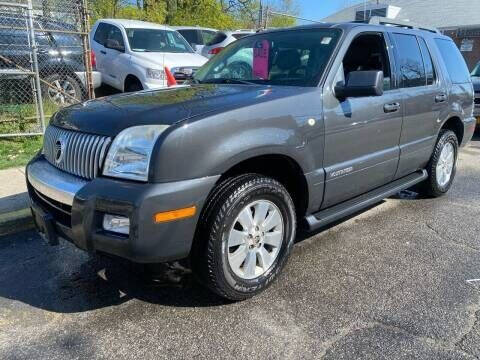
[
  {"x": 103, "y": 52},
  {"x": 393, "y": 107},
  {"x": 440, "y": 98}
]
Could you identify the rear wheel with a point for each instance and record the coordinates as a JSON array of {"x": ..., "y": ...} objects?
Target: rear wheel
[
  {"x": 442, "y": 166},
  {"x": 245, "y": 236}
]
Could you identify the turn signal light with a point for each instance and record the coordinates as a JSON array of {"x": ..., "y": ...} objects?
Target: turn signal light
[
  {"x": 215, "y": 51},
  {"x": 174, "y": 214}
]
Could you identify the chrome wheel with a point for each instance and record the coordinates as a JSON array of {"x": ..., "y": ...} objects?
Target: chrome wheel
[
  {"x": 255, "y": 239},
  {"x": 445, "y": 164},
  {"x": 62, "y": 93}
]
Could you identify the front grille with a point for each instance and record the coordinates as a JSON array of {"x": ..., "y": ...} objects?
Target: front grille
[{"x": 75, "y": 152}]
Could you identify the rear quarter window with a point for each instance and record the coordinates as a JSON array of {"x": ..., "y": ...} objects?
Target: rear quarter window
[
  {"x": 456, "y": 66},
  {"x": 218, "y": 38}
]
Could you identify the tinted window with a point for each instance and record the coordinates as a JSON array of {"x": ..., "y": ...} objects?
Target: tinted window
[
  {"x": 101, "y": 33},
  {"x": 42, "y": 39},
  {"x": 427, "y": 60},
  {"x": 208, "y": 36},
  {"x": 115, "y": 35},
  {"x": 190, "y": 35},
  {"x": 67, "y": 39},
  {"x": 218, "y": 38},
  {"x": 456, "y": 66},
  {"x": 410, "y": 61}
]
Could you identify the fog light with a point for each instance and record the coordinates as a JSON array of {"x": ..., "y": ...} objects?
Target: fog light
[{"x": 117, "y": 224}]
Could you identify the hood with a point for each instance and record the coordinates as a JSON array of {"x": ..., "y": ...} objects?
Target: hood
[
  {"x": 110, "y": 115},
  {"x": 173, "y": 59},
  {"x": 476, "y": 83}
]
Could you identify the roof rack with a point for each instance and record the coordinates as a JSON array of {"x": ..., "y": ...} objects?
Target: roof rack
[{"x": 377, "y": 20}]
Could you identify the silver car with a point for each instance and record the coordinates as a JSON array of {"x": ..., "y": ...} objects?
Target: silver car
[{"x": 222, "y": 39}]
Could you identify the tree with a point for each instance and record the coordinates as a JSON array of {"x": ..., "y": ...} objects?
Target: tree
[{"x": 220, "y": 14}]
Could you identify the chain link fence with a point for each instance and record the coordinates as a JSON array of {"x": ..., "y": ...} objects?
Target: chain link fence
[{"x": 45, "y": 62}]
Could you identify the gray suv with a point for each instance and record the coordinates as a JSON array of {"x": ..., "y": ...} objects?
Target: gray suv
[{"x": 320, "y": 122}]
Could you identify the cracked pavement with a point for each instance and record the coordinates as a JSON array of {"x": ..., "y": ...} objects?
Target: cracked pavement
[{"x": 389, "y": 283}]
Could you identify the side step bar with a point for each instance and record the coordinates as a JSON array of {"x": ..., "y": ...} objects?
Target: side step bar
[{"x": 334, "y": 213}]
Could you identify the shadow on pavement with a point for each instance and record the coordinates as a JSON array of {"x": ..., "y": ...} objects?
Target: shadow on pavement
[{"x": 64, "y": 279}]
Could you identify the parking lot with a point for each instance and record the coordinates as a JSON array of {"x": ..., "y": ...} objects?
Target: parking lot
[{"x": 396, "y": 281}]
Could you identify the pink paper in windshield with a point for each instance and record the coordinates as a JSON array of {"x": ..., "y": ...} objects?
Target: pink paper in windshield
[{"x": 261, "y": 52}]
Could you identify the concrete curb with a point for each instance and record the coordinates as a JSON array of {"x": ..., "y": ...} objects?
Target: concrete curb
[{"x": 16, "y": 221}]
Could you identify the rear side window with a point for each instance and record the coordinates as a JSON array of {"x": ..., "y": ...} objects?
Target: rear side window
[
  {"x": 101, "y": 33},
  {"x": 208, "y": 35},
  {"x": 191, "y": 36},
  {"x": 427, "y": 59},
  {"x": 410, "y": 61},
  {"x": 218, "y": 38},
  {"x": 456, "y": 66}
]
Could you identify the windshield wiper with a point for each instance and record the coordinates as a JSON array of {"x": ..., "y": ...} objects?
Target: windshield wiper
[{"x": 228, "y": 81}]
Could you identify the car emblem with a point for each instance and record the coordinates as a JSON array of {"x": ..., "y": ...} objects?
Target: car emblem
[{"x": 59, "y": 149}]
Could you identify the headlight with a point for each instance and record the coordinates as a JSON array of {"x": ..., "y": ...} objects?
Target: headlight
[
  {"x": 156, "y": 74},
  {"x": 129, "y": 155}
]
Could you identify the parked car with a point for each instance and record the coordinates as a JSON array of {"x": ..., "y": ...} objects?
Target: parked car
[
  {"x": 222, "y": 39},
  {"x": 60, "y": 61},
  {"x": 331, "y": 119},
  {"x": 476, "y": 85},
  {"x": 197, "y": 37},
  {"x": 132, "y": 55}
]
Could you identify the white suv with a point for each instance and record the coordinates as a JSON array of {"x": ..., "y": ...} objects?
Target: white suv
[
  {"x": 132, "y": 55},
  {"x": 222, "y": 39}
]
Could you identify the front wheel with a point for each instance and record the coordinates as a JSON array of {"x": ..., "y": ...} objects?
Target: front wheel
[
  {"x": 62, "y": 90},
  {"x": 443, "y": 165},
  {"x": 245, "y": 237}
]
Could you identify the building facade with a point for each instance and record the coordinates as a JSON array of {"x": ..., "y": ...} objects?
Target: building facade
[{"x": 459, "y": 19}]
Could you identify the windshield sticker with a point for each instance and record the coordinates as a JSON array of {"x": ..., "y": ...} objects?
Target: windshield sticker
[
  {"x": 260, "y": 59},
  {"x": 326, "y": 40}
]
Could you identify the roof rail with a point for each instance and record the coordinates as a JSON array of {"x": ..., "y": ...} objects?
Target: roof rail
[{"x": 377, "y": 20}]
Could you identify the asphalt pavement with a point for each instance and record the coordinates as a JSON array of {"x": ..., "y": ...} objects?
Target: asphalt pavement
[{"x": 399, "y": 281}]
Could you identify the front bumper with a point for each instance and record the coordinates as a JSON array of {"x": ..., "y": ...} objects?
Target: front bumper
[{"x": 77, "y": 208}]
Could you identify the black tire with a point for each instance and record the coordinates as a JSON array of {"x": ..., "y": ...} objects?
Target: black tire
[
  {"x": 67, "y": 84},
  {"x": 432, "y": 187},
  {"x": 210, "y": 253},
  {"x": 133, "y": 85}
]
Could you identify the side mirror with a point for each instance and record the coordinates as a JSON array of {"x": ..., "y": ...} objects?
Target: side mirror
[
  {"x": 115, "y": 45},
  {"x": 361, "y": 84}
]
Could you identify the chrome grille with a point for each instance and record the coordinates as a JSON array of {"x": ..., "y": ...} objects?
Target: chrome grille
[{"x": 75, "y": 152}]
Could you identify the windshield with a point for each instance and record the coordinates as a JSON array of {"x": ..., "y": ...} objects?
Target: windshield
[
  {"x": 153, "y": 40},
  {"x": 476, "y": 71},
  {"x": 276, "y": 58}
]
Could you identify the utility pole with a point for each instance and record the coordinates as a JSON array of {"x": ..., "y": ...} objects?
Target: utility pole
[{"x": 260, "y": 16}]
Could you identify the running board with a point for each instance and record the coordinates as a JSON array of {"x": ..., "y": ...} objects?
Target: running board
[{"x": 334, "y": 213}]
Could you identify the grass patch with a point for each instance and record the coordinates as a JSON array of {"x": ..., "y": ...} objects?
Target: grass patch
[{"x": 19, "y": 150}]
